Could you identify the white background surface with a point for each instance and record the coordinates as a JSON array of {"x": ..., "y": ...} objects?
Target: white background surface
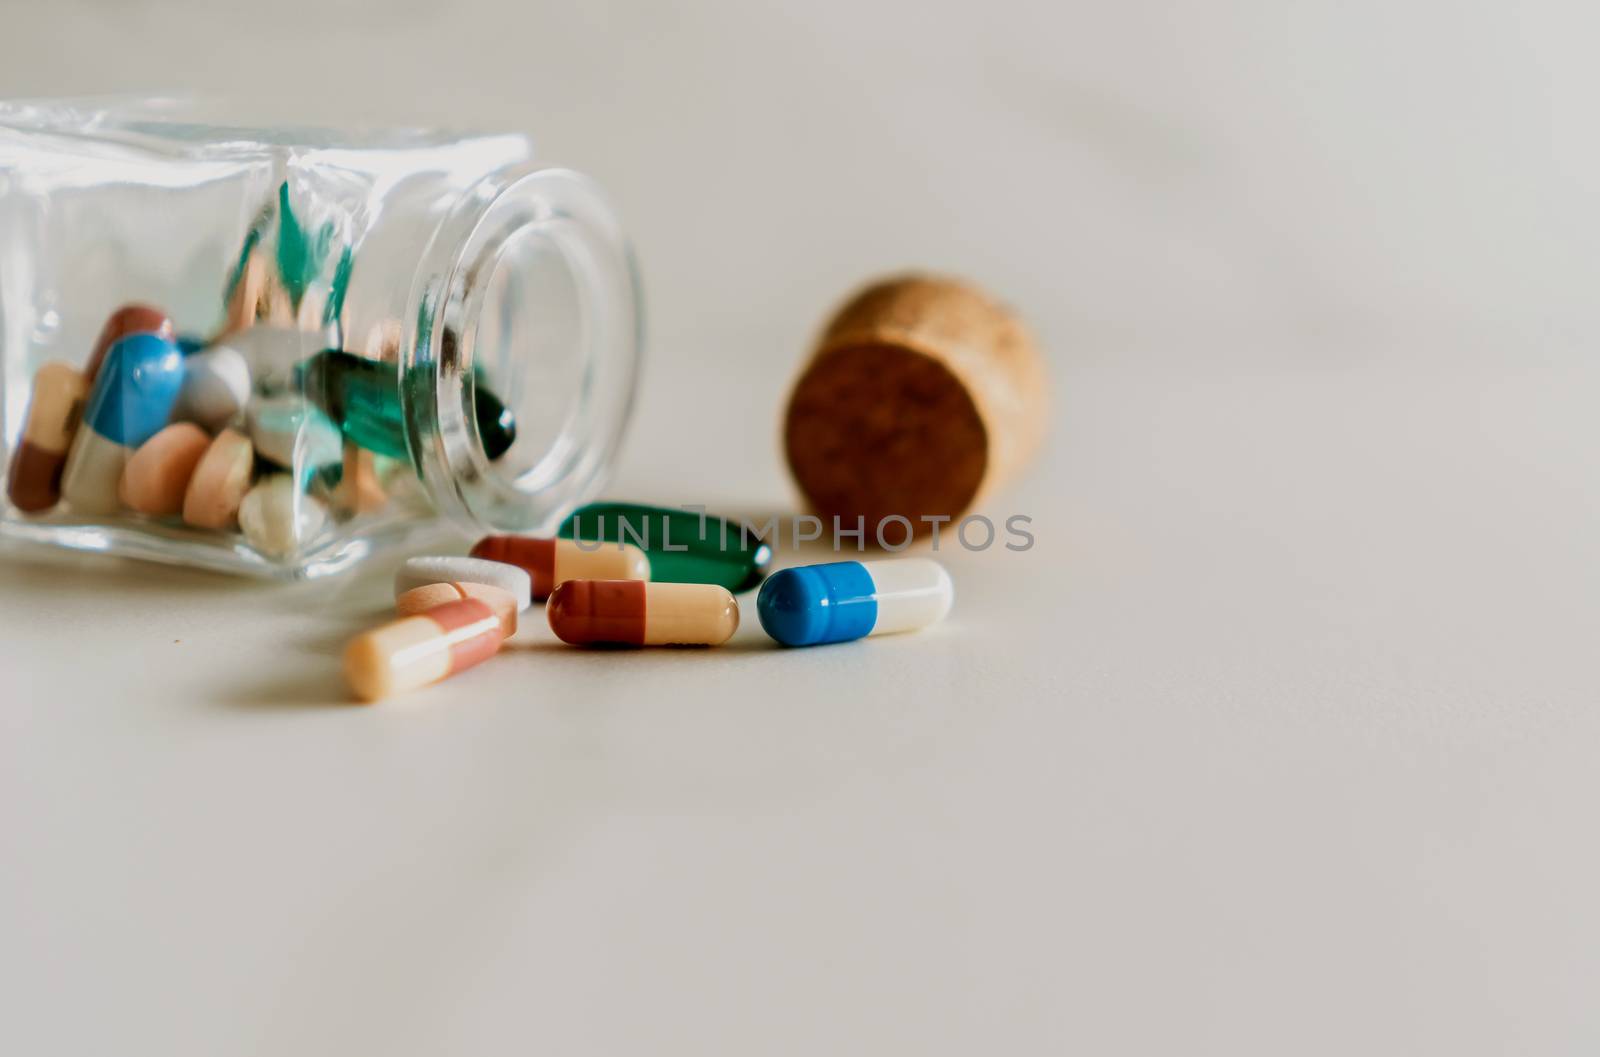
[{"x": 1282, "y": 739}]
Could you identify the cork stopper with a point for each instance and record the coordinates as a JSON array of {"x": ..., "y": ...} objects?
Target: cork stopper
[{"x": 921, "y": 398}]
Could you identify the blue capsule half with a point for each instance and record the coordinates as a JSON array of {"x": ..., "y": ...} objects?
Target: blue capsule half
[{"x": 134, "y": 392}]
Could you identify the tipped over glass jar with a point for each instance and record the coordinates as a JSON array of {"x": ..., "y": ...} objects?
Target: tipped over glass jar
[{"x": 267, "y": 350}]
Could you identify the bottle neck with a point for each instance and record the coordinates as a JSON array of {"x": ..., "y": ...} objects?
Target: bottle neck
[{"x": 525, "y": 318}]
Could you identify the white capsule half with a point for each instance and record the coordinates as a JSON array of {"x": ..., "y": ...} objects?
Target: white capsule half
[
  {"x": 912, "y": 593},
  {"x": 93, "y": 476}
]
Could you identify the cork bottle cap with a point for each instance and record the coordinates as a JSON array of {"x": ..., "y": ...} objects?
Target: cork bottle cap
[{"x": 922, "y": 397}]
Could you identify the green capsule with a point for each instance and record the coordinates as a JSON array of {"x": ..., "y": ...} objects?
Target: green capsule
[
  {"x": 363, "y": 396},
  {"x": 301, "y": 253},
  {"x": 684, "y": 546},
  {"x": 496, "y": 424},
  {"x": 339, "y": 287},
  {"x": 327, "y": 477}
]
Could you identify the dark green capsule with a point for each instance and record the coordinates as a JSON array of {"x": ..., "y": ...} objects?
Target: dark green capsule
[
  {"x": 301, "y": 253},
  {"x": 338, "y": 288},
  {"x": 363, "y": 396},
  {"x": 329, "y": 476},
  {"x": 684, "y": 546},
  {"x": 496, "y": 424}
]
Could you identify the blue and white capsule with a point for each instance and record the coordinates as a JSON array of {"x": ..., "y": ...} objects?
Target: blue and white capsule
[
  {"x": 815, "y": 604},
  {"x": 132, "y": 399}
]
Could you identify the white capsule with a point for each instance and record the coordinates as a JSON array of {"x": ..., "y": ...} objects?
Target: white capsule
[
  {"x": 912, "y": 593},
  {"x": 216, "y": 384}
]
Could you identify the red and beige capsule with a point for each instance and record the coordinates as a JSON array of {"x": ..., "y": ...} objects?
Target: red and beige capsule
[
  {"x": 54, "y": 410},
  {"x": 636, "y": 613},
  {"x": 129, "y": 319},
  {"x": 428, "y": 596},
  {"x": 551, "y": 563},
  {"x": 417, "y": 650}
]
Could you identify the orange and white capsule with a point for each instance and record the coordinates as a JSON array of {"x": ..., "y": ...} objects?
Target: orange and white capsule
[
  {"x": 421, "y": 599},
  {"x": 551, "y": 563},
  {"x": 635, "y": 613},
  {"x": 417, "y": 650}
]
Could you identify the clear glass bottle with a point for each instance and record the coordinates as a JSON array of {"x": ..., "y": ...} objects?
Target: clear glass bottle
[{"x": 268, "y": 349}]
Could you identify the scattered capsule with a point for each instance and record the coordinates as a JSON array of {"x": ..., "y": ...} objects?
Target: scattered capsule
[
  {"x": 157, "y": 475},
  {"x": 551, "y": 563},
  {"x": 127, "y": 320},
  {"x": 636, "y": 613},
  {"x": 131, "y": 400},
  {"x": 421, "y": 599},
  {"x": 54, "y": 408},
  {"x": 684, "y": 546},
  {"x": 417, "y": 650},
  {"x": 839, "y": 601},
  {"x": 420, "y": 572}
]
